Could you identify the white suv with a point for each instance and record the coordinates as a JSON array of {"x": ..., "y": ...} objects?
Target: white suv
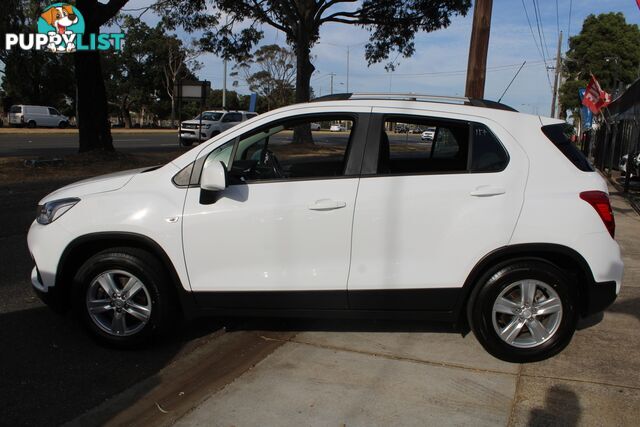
[
  {"x": 210, "y": 123},
  {"x": 499, "y": 224}
]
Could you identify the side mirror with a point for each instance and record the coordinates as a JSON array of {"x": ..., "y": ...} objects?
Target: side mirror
[{"x": 214, "y": 177}]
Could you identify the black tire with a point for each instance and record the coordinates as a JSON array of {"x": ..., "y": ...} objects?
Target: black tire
[
  {"x": 494, "y": 282},
  {"x": 63, "y": 125},
  {"x": 186, "y": 142},
  {"x": 148, "y": 270},
  {"x": 32, "y": 124}
]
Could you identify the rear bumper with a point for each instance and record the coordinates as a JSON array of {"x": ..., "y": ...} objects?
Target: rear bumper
[{"x": 600, "y": 295}]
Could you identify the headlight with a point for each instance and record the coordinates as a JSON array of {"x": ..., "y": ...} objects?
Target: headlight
[{"x": 53, "y": 210}]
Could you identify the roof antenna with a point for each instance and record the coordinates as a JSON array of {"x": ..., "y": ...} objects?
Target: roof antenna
[{"x": 514, "y": 77}]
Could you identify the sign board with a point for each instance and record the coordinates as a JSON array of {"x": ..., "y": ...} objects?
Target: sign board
[
  {"x": 252, "y": 102},
  {"x": 192, "y": 90}
]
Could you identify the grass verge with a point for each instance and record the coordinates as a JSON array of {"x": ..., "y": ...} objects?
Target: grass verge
[{"x": 79, "y": 166}]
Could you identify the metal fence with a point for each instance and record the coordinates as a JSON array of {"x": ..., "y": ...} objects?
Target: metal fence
[{"x": 617, "y": 137}]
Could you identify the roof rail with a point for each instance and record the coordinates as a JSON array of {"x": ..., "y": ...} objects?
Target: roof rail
[{"x": 485, "y": 103}]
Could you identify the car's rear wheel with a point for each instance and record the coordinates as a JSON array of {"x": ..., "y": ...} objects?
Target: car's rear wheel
[
  {"x": 523, "y": 311},
  {"x": 122, "y": 297}
]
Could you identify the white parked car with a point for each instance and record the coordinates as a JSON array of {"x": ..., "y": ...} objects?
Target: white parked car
[
  {"x": 428, "y": 134},
  {"x": 337, "y": 128},
  {"x": 315, "y": 126},
  {"x": 33, "y": 116},
  {"x": 509, "y": 229},
  {"x": 211, "y": 124}
]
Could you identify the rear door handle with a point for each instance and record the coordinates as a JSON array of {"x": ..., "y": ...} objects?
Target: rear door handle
[
  {"x": 487, "y": 191},
  {"x": 326, "y": 205}
]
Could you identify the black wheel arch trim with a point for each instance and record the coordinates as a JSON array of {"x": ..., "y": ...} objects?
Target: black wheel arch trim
[
  {"x": 590, "y": 292},
  {"x": 186, "y": 299}
]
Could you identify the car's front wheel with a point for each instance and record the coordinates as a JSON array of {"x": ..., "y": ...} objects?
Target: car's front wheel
[
  {"x": 523, "y": 311},
  {"x": 122, "y": 296}
]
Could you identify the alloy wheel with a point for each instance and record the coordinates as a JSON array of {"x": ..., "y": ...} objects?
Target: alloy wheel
[
  {"x": 527, "y": 313},
  {"x": 118, "y": 303}
]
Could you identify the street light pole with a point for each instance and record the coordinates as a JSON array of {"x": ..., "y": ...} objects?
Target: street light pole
[
  {"x": 348, "y": 69},
  {"x": 224, "y": 87},
  {"x": 332, "y": 75}
]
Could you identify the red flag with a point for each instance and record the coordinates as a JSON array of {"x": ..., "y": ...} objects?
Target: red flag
[{"x": 595, "y": 98}]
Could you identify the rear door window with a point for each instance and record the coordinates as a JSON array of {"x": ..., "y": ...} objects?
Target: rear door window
[{"x": 560, "y": 136}]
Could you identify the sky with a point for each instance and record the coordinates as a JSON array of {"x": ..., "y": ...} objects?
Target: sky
[{"x": 438, "y": 66}]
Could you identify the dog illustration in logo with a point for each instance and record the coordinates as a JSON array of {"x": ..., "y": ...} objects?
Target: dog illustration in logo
[{"x": 60, "y": 18}]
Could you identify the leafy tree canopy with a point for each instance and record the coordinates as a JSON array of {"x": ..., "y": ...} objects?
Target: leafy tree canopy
[
  {"x": 232, "y": 27},
  {"x": 606, "y": 47}
]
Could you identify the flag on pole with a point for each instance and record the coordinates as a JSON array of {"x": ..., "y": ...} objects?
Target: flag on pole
[{"x": 595, "y": 99}]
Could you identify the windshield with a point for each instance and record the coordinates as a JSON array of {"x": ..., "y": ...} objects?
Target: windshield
[{"x": 212, "y": 117}]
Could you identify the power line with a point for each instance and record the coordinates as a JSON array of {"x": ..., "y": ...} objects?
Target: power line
[
  {"x": 535, "y": 41},
  {"x": 557, "y": 18},
  {"x": 543, "y": 41},
  {"x": 539, "y": 24}
]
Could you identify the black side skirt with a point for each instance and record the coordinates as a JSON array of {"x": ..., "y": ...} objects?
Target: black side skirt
[{"x": 436, "y": 303}]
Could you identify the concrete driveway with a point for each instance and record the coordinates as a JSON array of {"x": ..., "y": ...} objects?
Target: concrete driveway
[{"x": 324, "y": 373}]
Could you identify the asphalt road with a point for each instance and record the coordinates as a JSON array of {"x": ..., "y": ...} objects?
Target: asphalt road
[
  {"x": 50, "y": 370},
  {"x": 60, "y": 144}
]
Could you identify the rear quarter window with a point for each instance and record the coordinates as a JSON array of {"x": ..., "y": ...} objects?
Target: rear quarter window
[{"x": 559, "y": 135}]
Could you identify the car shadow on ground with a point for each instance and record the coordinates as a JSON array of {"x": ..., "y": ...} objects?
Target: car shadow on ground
[
  {"x": 51, "y": 371},
  {"x": 336, "y": 325}
]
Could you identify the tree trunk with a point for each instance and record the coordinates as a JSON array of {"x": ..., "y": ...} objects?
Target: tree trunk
[
  {"x": 127, "y": 117},
  {"x": 173, "y": 111},
  {"x": 304, "y": 70},
  {"x": 93, "y": 115}
]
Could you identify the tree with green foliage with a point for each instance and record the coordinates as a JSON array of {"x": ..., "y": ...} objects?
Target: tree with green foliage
[
  {"x": 606, "y": 47},
  {"x": 142, "y": 76},
  {"x": 34, "y": 77},
  {"x": 392, "y": 25},
  {"x": 271, "y": 73}
]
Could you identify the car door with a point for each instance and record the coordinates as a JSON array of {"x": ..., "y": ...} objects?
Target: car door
[
  {"x": 54, "y": 117},
  {"x": 428, "y": 210},
  {"x": 229, "y": 120},
  {"x": 279, "y": 236}
]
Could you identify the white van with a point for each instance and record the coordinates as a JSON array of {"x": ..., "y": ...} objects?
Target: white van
[{"x": 33, "y": 116}]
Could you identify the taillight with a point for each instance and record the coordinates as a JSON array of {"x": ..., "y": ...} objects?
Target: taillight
[{"x": 600, "y": 202}]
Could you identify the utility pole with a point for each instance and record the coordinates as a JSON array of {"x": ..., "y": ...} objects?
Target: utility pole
[
  {"x": 556, "y": 79},
  {"x": 332, "y": 75},
  {"x": 478, "y": 48}
]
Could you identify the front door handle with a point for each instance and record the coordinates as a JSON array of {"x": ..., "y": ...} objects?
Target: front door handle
[
  {"x": 326, "y": 205},
  {"x": 487, "y": 191}
]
